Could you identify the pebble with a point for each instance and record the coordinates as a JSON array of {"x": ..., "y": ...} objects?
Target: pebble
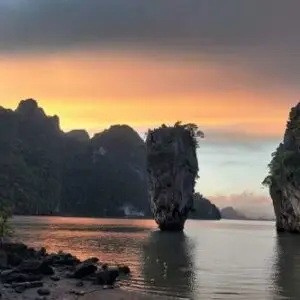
[
  {"x": 55, "y": 278},
  {"x": 80, "y": 293},
  {"x": 80, "y": 284},
  {"x": 43, "y": 292},
  {"x": 20, "y": 289}
]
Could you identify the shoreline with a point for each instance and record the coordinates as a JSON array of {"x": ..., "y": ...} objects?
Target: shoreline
[
  {"x": 66, "y": 290},
  {"x": 26, "y": 273}
]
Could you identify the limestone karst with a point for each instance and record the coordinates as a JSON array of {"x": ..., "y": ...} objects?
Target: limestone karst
[
  {"x": 172, "y": 171},
  {"x": 284, "y": 176}
]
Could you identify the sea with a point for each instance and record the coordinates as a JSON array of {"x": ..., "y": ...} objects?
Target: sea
[{"x": 224, "y": 259}]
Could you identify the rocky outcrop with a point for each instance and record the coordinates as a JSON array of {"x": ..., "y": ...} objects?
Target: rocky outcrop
[
  {"x": 37, "y": 269},
  {"x": 284, "y": 176},
  {"x": 172, "y": 170}
]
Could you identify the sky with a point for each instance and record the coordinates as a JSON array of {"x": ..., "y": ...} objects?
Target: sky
[{"x": 232, "y": 67}]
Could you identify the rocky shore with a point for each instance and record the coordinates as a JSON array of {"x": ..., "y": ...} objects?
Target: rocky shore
[{"x": 27, "y": 273}]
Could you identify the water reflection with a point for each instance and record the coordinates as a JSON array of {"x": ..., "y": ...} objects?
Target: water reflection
[
  {"x": 287, "y": 268},
  {"x": 168, "y": 265}
]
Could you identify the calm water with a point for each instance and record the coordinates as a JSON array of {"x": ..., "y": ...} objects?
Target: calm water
[{"x": 210, "y": 260}]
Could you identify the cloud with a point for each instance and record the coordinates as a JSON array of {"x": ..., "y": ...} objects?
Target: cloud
[
  {"x": 260, "y": 36},
  {"x": 199, "y": 23},
  {"x": 250, "y": 204}
]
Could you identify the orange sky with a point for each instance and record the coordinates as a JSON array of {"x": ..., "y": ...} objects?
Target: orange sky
[{"x": 94, "y": 90}]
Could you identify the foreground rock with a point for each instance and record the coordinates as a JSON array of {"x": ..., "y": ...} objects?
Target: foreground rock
[
  {"x": 172, "y": 170},
  {"x": 284, "y": 176},
  {"x": 43, "y": 272}
]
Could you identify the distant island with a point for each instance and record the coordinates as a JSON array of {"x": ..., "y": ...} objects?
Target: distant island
[
  {"x": 231, "y": 213},
  {"x": 45, "y": 171}
]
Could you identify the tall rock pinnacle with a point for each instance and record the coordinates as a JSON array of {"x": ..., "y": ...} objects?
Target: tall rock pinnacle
[
  {"x": 172, "y": 172},
  {"x": 284, "y": 176}
]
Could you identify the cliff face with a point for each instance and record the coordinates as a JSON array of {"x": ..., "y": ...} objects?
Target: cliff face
[
  {"x": 284, "y": 176},
  {"x": 172, "y": 170}
]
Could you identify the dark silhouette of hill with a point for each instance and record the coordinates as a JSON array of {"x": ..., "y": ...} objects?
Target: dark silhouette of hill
[
  {"x": 231, "y": 213},
  {"x": 204, "y": 209},
  {"x": 45, "y": 171}
]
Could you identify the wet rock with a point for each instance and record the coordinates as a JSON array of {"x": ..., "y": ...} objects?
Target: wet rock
[
  {"x": 42, "y": 252},
  {"x": 108, "y": 287},
  {"x": 55, "y": 278},
  {"x": 45, "y": 269},
  {"x": 91, "y": 260},
  {"x": 32, "y": 252},
  {"x": 80, "y": 284},
  {"x": 69, "y": 275},
  {"x": 84, "y": 269},
  {"x": 14, "y": 259},
  {"x": 35, "y": 267},
  {"x": 107, "y": 277},
  {"x": 20, "y": 289},
  {"x": 80, "y": 293},
  {"x": 64, "y": 259},
  {"x": 30, "y": 266},
  {"x": 3, "y": 260},
  {"x": 14, "y": 247},
  {"x": 43, "y": 292},
  {"x": 10, "y": 276},
  {"x": 124, "y": 269},
  {"x": 28, "y": 285}
]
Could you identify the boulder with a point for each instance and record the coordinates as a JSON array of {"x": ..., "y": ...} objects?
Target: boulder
[
  {"x": 42, "y": 252},
  {"x": 3, "y": 260},
  {"x": 43, "y": 292},
  {"x": 63, "y": 259},
  {"x": 55, "y": 278},
  {"x": 35, "y": 267},
  {"x": 10, "y": 276},
  {"x": 28, "y": 285},
  {"x": 45, "y": 269},
  {"x": 10, "y": 247},
  {"x": 84, "y": 269},
  {"x": 91, "y": 260},
  {"x": 107, "y": 277},
  {"x": 123, "y": 269},
  {"x": 14, "y": 259},
  {"x": 30, "y": 266}
]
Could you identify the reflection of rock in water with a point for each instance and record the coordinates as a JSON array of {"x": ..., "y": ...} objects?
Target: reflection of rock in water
[
  {"x": 287, "y": 273},
  {"x": 168, "y": 264}
]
